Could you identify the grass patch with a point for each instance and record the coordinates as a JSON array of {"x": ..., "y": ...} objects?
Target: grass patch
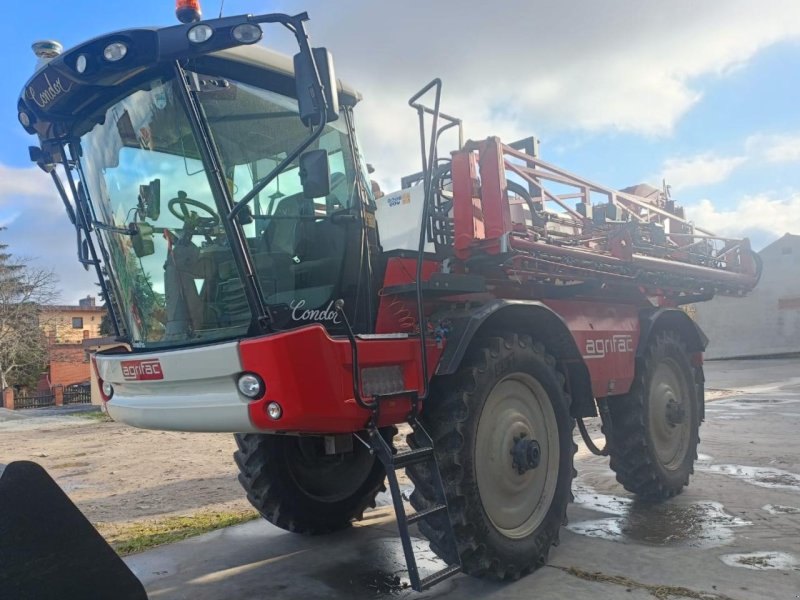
[
  {"x": 137, "y": 537},
  {"x": 95, "y": 415}
]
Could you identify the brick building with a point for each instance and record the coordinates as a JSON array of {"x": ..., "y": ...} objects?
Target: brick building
[{"x": 66, "y": 327}]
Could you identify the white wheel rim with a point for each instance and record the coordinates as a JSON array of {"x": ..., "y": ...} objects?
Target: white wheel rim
[{"x": 515, "y": 503}]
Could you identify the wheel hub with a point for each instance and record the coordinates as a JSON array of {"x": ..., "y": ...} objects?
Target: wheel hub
[
  {"x": 525, "y": 454},
  {"x": 676, "y": 414}
]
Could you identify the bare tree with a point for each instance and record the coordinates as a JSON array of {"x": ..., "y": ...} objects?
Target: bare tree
[{"x": 24, "y": 289}]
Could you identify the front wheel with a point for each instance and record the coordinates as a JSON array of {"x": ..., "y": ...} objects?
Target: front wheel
[
  {"x": 503, "y": 441},
  {"x": 296, "y": 486},
  {"x": 655, "y": 427}
]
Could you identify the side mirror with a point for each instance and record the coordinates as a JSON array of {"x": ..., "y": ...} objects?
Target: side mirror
[
  {"x": 304, "y": 77},
  {"x": 315, "y": 174},
  {"x": 150, "y": 200},
  {"x": 142, "y": 239}
]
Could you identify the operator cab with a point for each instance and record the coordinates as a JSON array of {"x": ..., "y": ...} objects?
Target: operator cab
[{"x": 143, "y": 145}]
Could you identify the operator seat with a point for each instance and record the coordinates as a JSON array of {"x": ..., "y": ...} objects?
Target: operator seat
[{"x": 315, "y": 245}]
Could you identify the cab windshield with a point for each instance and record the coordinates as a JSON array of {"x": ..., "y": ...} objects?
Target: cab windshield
[{"x": 169, "y": 258}]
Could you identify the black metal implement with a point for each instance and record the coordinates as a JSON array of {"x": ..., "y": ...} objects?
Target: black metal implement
[{"x": 392, "y": 462}]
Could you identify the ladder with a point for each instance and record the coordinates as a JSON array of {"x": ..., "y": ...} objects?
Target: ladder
[{"x": 394, "y": 461}]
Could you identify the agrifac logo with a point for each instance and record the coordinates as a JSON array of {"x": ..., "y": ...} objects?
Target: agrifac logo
[
  {"x": 142, "y": 370},
  {"x": 600, "y": 347}
]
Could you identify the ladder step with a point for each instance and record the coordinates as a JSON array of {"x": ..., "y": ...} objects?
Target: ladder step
[
  {"x": 435, "y": 578},
  {"x": 418, "y": 516},
  {"x": 412, "y": 457}
]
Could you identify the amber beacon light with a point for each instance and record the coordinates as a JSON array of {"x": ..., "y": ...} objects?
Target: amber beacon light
[{"x": 188, "y": 11}]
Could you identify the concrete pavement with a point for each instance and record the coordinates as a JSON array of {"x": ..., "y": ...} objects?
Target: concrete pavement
[{"x": 734, "y": 533}]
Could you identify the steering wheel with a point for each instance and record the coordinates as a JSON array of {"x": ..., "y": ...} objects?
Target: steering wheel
[{"x": 179, "y": 207}]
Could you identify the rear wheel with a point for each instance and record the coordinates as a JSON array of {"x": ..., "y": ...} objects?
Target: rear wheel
[
  {"x": 503, "y": 439},
  {"x": 296, "y": 486},
  {"x": 656, "y": 425}
]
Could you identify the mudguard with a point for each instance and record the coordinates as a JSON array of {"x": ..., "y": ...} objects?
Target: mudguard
[
  {"x": 528, "y": 316},
  {"x": 653, "y": 320}
]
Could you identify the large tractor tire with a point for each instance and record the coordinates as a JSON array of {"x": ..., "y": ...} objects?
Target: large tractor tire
[
  {"x": 655, "y": 427},
  {"x": 502, "y": 435},
  {"x": 296, "y": 486}
]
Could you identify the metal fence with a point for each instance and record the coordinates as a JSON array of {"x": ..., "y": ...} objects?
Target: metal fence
[
  {"x": 34, "y": 400},
  {"x": 79, "y": 395}
]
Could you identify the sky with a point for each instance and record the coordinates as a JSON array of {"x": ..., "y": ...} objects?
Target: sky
[{"x": 703, "y": 94}]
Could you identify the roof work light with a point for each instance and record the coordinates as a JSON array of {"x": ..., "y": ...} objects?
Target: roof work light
[{"x": 188, "y": 11}]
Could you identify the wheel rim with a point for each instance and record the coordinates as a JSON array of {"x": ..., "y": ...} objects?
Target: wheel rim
[
  {"x": 669, "y": 415},
  {"x": 326, "y": 478},
  {"x": 517, "y": 407}
]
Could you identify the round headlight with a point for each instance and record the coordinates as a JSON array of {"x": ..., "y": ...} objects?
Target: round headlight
[
  {"x": 80, "y": 63},
  {"x": 108, "y": 390},
  {"x": 247, "y": 33},
  {"x": 114, "y": 52},
  {"x": 200, "y": 33},
  {"x": 250, "y": 385},
  {"x": 24, "y": 119},
  {"x": 274, "y": 410}
]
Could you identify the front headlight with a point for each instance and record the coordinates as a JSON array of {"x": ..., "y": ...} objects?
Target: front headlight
[
  {"x": 200, "y": 33},
  {"x": 251, "y": 386},
  {"x": 115, "y": 51},
  {"x": 247, "y": 33}
]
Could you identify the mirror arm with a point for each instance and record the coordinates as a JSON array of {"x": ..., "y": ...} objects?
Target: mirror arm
[{"x": 294, "y": 24}]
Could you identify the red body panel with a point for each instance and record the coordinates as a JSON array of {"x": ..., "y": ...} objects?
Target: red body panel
[
  {"x": 310, "y": 375},
  {"x": 467, "y": 212},
  {"x": 399, "y": 314},
  {"x": 494, "y": 201},
  {"x": 607, "y": 336}
]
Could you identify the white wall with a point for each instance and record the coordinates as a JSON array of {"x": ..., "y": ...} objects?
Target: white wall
[{"x": 766, "y": 321}]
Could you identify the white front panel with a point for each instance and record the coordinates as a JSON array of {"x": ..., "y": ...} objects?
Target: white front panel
[{"x": 197, "y": 392}]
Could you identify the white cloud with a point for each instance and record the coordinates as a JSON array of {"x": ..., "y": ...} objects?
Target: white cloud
[
  {"x": 708, "y": 168},
  {"x": 775, "y": 148},
  {"x": 535, "y": 66},
  {"x": 702, "y": 169},
  {"x": 29, "y": 182},
  {"x": 38, "y": 228},
  {"x": 762, "y": 217}
]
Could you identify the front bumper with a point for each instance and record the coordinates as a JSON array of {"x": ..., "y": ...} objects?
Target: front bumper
[
  {"x": 305, "y": 371},
  {"x": 197, "y": 391}
]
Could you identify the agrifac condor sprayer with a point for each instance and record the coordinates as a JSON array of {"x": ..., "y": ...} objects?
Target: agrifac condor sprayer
[{"x": 490, "y": 304}]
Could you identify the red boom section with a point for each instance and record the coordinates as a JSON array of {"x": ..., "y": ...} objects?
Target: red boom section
[
  {"x": 310, "y": 375},
  {"x": 566, "y": 236}
]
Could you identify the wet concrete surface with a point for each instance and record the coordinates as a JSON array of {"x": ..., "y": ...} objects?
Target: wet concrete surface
[{"x": 734, "y": 532}]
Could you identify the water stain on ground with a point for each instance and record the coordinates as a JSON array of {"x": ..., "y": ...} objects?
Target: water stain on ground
[
  {"x": 762, "y": 561},
  {"x": 698, "y": 525},
  {"x": 778, "y": 509},
  {"x": 768, "y": 477},
  {"x": 389, "y": 579}
]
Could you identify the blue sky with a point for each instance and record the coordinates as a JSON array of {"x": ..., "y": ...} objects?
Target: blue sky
[{"x": 704, "y": 94}]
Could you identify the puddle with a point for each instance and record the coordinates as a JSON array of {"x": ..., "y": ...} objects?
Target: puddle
[
  {"x": 704, "y": 457},
  {"x": 697, "y": 525},
  {"x": 778, "y": 509},
  {"x": 768, "y": 477},
  {"x": 383, "y": 583},
  {"x": 761, "y": 561}
]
